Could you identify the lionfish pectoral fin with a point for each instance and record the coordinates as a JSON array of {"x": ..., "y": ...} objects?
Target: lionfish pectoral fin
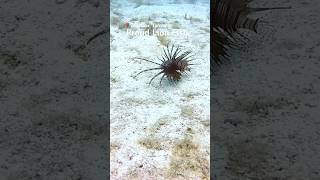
[
  {"x": 162, "y": 78},
  {"x": 144, "y": 59},
  {"x": 155, "y": 77},
  {"x": 96, "y": 35},
  {"x": 251, "y": 10},
  {"x": 146, "y": 71}
]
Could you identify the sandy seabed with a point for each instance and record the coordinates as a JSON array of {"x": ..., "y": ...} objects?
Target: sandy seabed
[
  {"x": 53, "y": 98},
  {"x": 159, "y": 131},
  {"x": 266, "y": 103}
]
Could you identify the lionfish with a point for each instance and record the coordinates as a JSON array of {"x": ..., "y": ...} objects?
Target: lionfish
[{"x": 228, "y": 17}]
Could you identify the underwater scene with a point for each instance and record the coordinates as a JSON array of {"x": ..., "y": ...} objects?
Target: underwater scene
[{"x": 160, "y": 89}]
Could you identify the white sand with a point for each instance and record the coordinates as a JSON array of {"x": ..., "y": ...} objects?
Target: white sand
[{"x": 137, "y": 109}]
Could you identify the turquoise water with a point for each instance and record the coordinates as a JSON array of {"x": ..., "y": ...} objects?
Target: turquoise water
[
  {"x": 115, "y": 4},
  {"x": 136, "y": 3}
]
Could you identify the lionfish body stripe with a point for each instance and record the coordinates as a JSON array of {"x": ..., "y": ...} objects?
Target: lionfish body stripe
[{"x": 229, "y": 16}]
